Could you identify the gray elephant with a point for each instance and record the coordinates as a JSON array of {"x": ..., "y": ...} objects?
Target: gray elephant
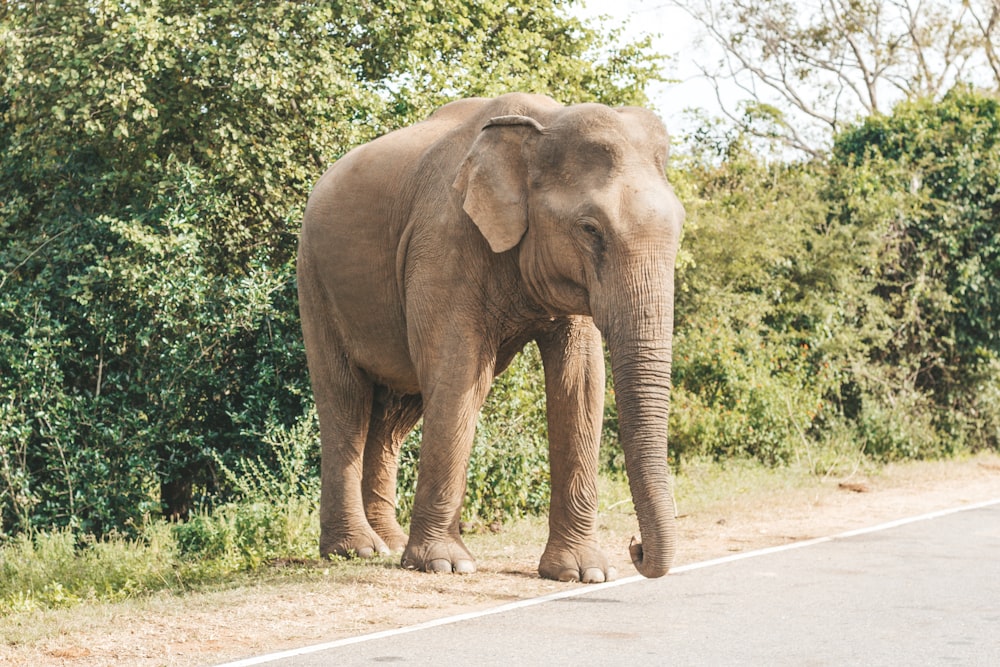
[{"x": 430, "y": 256}]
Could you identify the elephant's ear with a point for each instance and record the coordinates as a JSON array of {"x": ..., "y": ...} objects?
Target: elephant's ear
[{"x": 493, "y": 180}]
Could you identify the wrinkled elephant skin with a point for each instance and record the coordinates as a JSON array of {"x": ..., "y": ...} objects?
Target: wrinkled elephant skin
[{"x": 433, "y": 254}]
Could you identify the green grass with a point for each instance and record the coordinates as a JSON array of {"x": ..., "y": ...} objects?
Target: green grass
[
  {"x": 51, "y": 570},
  {"x": 59, "y": 569},
  {"x": 273, "y": 518}
]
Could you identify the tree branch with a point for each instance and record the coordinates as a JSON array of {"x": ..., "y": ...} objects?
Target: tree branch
[
  {"x": 987, "y": 30},
  {"x": 847, "y": 55}
]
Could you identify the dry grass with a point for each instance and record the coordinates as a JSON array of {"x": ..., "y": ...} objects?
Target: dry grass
[{"x": 722, "y": 511}]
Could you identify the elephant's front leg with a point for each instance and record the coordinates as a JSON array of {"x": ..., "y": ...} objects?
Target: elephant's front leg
[
  {"x": 452, "y": 397},
  {"x": 574, "y": 386}
]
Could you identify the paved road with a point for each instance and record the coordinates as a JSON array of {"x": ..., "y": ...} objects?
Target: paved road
[{"x": 922, "y": 593}]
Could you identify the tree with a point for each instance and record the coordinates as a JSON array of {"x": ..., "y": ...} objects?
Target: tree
[
  {"x": 766, "y": 309},
  {"x": 151, "y": 172},
  {"x": 809, "y": 70},
  {"x": 474, "y": 48},
  {"x": 155, "y": 158},
  {"x": 926, "y": 180},
  {"x": 836, "y": 306}
]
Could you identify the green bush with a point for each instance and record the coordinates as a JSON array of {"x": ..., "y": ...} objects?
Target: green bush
[
  {"x": 274, "y": 512},
  {"x": 509, "y": 469},
  {"x": 763, "y": 311},
  {"x": 925, "y": 184},
  {"x": 981, "y": 420},
  {"x": 155, "y": 160},
  {"x": 841, "y": 305},
  {"x": 740, "y": 394},
  {"x": 898, "y": 430},
  {"x": 139, "y": 362}
]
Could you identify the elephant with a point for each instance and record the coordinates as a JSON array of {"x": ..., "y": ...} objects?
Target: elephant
[{"x": 432, "y": 255}]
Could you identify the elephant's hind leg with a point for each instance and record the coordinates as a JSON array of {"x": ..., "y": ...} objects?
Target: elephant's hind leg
[
  {"x": 344, "y": 403},
  {"x": 393, "y": 417}
]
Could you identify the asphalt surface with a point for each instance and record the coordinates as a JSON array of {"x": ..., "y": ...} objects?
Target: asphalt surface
[{"x": 926, "y": 592}]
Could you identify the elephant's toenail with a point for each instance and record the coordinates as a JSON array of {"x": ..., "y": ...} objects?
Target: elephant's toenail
[
  {"x": 439, "y": 565},
  {"x": 465, "y": 567}
]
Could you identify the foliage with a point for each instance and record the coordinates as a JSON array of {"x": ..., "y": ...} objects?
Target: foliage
[
  {"x": 155, "y": 158},
  {"x": 54, "y": 569},
  {"x": 135, "y": 372},
  {"x": 274, "y": 513},
  {"x": 154, "y": 162},
  {"x": 925, "y": 181},
  {"x": 133, "y": 140},
  {"x": 943, "y": 161},
  {"x": 840, "y": 302},
  {"x": 494, "y": 47},
  {"x": 273, "y": 518},
  {"x": 759, "y": 330}
]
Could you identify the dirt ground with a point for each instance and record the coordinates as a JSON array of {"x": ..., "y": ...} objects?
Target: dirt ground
[{"x": 719, "y": 515}]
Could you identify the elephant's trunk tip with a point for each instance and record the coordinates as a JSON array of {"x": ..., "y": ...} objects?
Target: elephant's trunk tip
[{"x": 646, "y": 566}]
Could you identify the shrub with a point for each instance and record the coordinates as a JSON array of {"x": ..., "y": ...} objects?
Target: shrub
[
  {"x": 925, "y": 184},
  {"x": 740, "y": 393},
  {"x": 763, "y": 309},
  {"x": 273, "y": 513},
  {"x": 155, "y": 159},
  {"x": 126, "y": 378}
]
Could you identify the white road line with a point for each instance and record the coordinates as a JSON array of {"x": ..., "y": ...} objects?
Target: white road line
[
  {"x": 839, "y": 536},
  {"x": 594, "y": 588}
]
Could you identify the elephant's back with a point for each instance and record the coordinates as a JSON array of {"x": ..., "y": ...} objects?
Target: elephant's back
[
  {"x": 367, "y": 208},
  {"x": 351, "y": 234},
  {"x": 382, "y": 176}
]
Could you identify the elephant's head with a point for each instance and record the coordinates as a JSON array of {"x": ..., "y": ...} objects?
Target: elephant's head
[{"x": 581, "y": 195}]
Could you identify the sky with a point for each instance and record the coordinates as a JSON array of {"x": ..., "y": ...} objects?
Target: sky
[{"x": 675, "y": 34}]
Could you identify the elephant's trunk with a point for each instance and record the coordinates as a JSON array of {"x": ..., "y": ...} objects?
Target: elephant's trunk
[{"x": 640, "y": 348}]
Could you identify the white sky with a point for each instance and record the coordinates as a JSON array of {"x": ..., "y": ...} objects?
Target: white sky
[{"x": 675, "y": 34}]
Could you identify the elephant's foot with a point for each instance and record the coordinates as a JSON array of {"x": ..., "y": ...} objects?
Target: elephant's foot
[
  {"x": 386, "y": 526},
  {"x": 440, "y": 556},
  {"x": 580, "y": 562},
  {"x": 393, "y": 536},
  {"x": 360, "y": 544}
]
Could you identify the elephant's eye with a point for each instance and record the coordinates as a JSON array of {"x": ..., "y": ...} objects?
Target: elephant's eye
[{"x": 592, "y": 235}]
